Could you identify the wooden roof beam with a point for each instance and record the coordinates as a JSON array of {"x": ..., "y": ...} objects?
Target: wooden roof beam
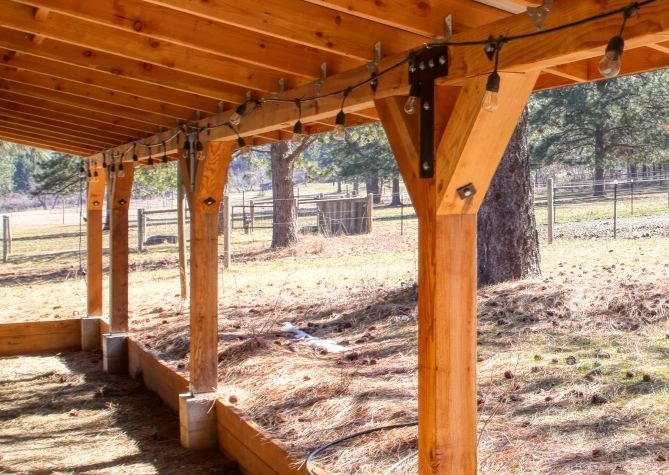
[
  {"x": 555, "y": 48},
  {"x": 303, "y": 23},
  {"x": 119, "y": 67},
  {"x": 114, "y": 98},
  {"x": 47, "y": 146},
  {"x": 424, "y": 18},
  {"x": 42, "y": 141},
  {"x": 147, "y": 121},
  {"x": 158, "y": 22},
  {"x": 20, "y": 125},
  {"x": 92, "y": 116},
  {"x": 110, "y": 82},
  {"x": 52, "y": 124},
  {"x": 129, "y": 45},
  {"x": 46, "y": 111}
]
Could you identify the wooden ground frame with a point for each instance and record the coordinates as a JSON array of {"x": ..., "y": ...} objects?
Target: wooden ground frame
[{"x": 237, "y": 437}]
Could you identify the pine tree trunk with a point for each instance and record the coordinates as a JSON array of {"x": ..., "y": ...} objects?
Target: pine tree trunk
[
  {"x": 284, "y": 231},
  {"x": 598, "y": 187},
  {"x": 373, "y": 188},
  {"x": 508, "y": 246},
  {"x": 397, "y": 200}
]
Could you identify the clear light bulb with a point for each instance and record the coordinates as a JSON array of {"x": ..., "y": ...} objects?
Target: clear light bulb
[
  {"x": 491, "y": 98},
  {"x": 610, "y": 64},
  {"x": 120, "y": 173},
  {"x": 297, "y": 132},
  {"x": 410, "y": 105},
  {"x": 491, "y": 101},
  {"x": 235, "y": 119},
  {"x": 185, "y": 152},
  {"x": 199, "y": 151},
  {"x": 95, "y": 177},
  {"x": 339, "y": 133}
]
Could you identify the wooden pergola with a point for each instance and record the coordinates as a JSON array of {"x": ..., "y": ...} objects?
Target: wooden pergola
[{"x": 122, "y": 79}]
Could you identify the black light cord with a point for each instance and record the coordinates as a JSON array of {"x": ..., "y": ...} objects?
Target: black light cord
[
  {"x": 243, "y": 110},
  {"x": 312, "y": 455}
]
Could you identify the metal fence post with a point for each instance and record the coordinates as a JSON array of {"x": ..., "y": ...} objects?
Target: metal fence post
[
  {"x": 141, "y": 229},
  {"x": 632, "y": 197},
  {"x": 227, "y": 230},
  {"x": 5, "y": 238},
  {"x": 615, "y": 208},
  {"x": 551, "y": 210}
]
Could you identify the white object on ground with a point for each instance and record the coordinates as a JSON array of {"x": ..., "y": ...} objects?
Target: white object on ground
[{"x": 315, "y": 342}]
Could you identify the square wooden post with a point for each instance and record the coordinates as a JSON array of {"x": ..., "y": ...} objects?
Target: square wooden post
[
  {"x": 115, "y": 344},
  {"x": 196, "y": 417},
  {"x": 90, "y": 329},
  {"x": 471, "y": 146},
  {"x": 94, "y": 202},
  {"x": 118, "y": 247}
]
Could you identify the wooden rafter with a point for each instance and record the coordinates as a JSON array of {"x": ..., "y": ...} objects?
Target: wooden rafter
[
  {"x": 87, "y": 91},
  {"x": 129, "y": 45},
  {"x": 303, "y": 23},
  {"x": 118, "y": 66},
  {"x": 114, "y": 84},
  {"x": 584, "y": 42},
  {"x": 425, "y": 18},
  {"x": 157, "y": 22}
]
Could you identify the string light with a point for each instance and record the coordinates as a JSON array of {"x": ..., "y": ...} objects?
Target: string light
[
  {"x": 339, "y": 132},
  {"x": 120, "y": 172},
  {"x": 185, "y": 152},
  {"x": 82, "y": 170},
  {"x": 134, "y": 152},
  {"x": 298, "y": 136},
  {"x": 165, "y": 159},
  {"x": 609, "y": 67},
  {"x": 491, "y": 97},
  {"x": 199, "y": 150},
  {"x": 150, "y": 160},
  {"x": 610, "y": 64}
]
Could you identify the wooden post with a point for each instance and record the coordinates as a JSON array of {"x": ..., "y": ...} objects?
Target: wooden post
[
  {"x": 253, "y": 214},
  {"x": 5, "y": 238},
  {"x": 549, "y": 208},
  {"x": 181, "y": 232},
  {"x": 94, "y": 200},
  {"x": 141, "y": 229},
  {"x": 370, "y": 210},
  {"x": 471, "y": 146},
  {"x": 204, "y": 204},
  {"x": 118, "y": 251},
  {"x": 227, "y": 231}
]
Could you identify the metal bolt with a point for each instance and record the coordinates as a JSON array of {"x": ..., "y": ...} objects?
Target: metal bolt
[
  {"x": 442, "y": 60},
  {"x": 426, "y": 166},
  {"x": 421, "y": 65},
  {"x": 430, "y": 63},
  {"x": 412, "y": 68},
  {"x": 426, "y": 106}
]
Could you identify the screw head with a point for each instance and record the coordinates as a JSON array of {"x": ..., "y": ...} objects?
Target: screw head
[
  {"x": 442, "y": 60},
  {"x": 209, "y": 201},
  {"x": 421, "y": 66},
  {"x": 430, "y": 63},
  {"x": 426, "y": 166},
  {"x": 426, "y": 106}
]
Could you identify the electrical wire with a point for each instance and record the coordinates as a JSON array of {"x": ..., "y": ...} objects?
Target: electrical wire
[{"x": 355, "y": 435}]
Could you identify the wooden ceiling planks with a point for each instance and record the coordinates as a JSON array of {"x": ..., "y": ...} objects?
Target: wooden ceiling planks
[{"x": 122, "y": 69}]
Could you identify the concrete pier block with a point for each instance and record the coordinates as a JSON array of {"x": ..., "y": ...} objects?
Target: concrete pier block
[
  {"x": 197, "y": 420},
  {"x": 115, "y": 353}
]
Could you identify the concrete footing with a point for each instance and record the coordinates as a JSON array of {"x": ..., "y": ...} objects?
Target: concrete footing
[
  {"x": 197, "y": 420},
  {"x": 115, "y": 353},
  {"x": 90, "y": 333}
]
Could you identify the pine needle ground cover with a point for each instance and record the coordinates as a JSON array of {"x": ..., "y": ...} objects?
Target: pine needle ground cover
[{"x": 572, "y": 365}]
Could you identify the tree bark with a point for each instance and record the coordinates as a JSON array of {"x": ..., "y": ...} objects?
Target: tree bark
[
  {"x": 397, "y": 200},
  {"x": 508, "y": 246},
  {"x": 373, "y": 188},
  {"x": 283, "y": 156},
  {"x": 284, "y": 232},
  {"x": 598, "y": 187}
]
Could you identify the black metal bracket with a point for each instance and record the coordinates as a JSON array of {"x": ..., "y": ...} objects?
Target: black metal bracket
[{"x": 424, "y": 67}]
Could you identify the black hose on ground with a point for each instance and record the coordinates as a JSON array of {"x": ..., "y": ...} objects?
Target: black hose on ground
[{"x": 323, "y": 447}]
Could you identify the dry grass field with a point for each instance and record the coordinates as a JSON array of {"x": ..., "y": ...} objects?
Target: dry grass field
[{"x": 573, "y": 365}]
